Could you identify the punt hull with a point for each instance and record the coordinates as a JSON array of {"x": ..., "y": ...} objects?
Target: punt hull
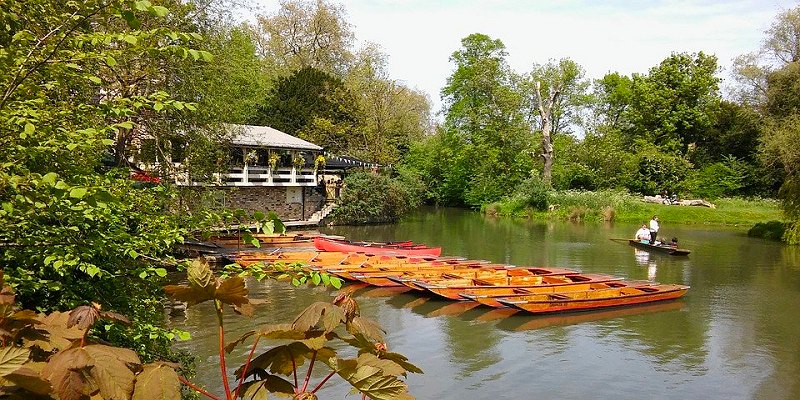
[
  {"x": 345, "y": 246},
  {"x": 631, "y": 296}
]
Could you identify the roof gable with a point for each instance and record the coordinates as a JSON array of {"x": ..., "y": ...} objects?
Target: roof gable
[{"x": 264, "y": 136}]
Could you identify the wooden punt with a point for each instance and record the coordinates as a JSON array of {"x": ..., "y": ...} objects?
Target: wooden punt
[
  {"x": 489, "y": 296},
  {"x": 455, "y": 275},
  {"x": 406, "y": 248},
  {"x": 594, "y": 299},
  {"x": 511, "y": 285},
  {"x": 661, "y": 248},
  {"x": 266, "y": 240},
  {"x": 382, "y": 277}
]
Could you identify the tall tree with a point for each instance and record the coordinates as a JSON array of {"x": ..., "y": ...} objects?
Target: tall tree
[
  {"x": 675, "y": 104},
  {"x": 313, "y": 105},
  {"x": 483, "y": 108},
  {"x": 392, "y": 116},
  {"x": 553, "y": 93},
  {"x": 305, "y": 33},
  {"x": 781, "y": 46}
]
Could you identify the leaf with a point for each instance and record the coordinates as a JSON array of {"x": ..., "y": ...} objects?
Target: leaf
[
  {"x": 369, "y": 381},
  {"x": 157, "y": 381},
  {"x": 232, "y": 291},
  {"x": 67, "y": 372},
  {"x": 130, "y": 39},
  {"x": 29, "y": 378},
  {"x": 77, "y": 193},
  {"x": 270, "y": 384},
  {"x": 83, "y": 317},
  {"x": 189, "y": 294},
  {"x": 232, "y": 345},
  {"x": 402, "y": 361},
  {"x": 161, "y": 272},
  {"x": 330, "y": 316},
  {"x": 279, "y": 360},
  {"x": 110, "y": 61},
  {"x": 367, "y": 327},
  {"x": 387, "y": 367},
  {"x": 112, "y": 370},
  {"x": 60, "y": 337},
  {"x": 12, "y": 358},
  {"x": 336, "y": 282},
  {"x": 72, "y": 146},
  {"x": 115, "y": 317},
  {"x": 94, "y": 79},
  {"x": 159, "y": 11},
  {"x": 50, "y": 178},
  {"x": 199, "y": 274},
  {"x": 29, "y": 129},
  {"x": 158, "y": 106}
]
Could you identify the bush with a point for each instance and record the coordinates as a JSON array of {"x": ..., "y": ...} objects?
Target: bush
[
  {"x": 533, "y": 193},
  {"x": 718, "y": 179},
  {"x": 773, "y": 230},
  {"x": 370, "y": 198}
]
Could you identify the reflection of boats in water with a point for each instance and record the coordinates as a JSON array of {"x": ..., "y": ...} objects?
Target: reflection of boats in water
[{"x": 524, "y": 322}]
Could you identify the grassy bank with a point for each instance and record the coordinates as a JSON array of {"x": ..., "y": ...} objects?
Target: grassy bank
[{"x": 624, "y": 207}]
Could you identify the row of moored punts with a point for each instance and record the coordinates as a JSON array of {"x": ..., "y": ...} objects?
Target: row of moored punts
[{"x": 532, "y": 289}]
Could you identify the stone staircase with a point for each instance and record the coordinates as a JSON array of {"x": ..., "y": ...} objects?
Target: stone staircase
[{"x": 318, "y": 216}]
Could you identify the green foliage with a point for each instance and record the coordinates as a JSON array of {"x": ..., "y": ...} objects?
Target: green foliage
[
  {"x": 772, "y": 230},
  {"x": 655, "y": 171},
  {"x": 721, "y": 179},
  {"x": 78, "y": 84},
  {"x": 371, "y": 198},
  {"x": 533, "y": 193},
  {"x": 318, "y": 334},
  {"x": 313, "y": 105},
  {"x": 675, "y": 104}
]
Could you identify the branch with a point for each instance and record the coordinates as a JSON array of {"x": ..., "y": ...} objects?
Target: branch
[
  {"x": 246, "y": 366},
  {"x": 323, "y": 381},
  {"x": 197, "y": 388},
  {"x": 15, "y": 83}
]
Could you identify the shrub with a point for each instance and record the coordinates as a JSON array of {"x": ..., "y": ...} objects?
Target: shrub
[
  {"x": 773, "y": 230},
  {"x": 718, "y": 179},
  {"x": 533, "y": 193},
  {"x": 370, "y": 198}
]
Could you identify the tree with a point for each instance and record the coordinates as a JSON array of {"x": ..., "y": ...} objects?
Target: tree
[
  {"x": 781, "y": 148},
  {"x": 305, "y": 33},
  {"x": 482, "y": 108},
  {"x": 554, "y": 90},
  {"x": 611, "y": 98},
  {"x": 391, "y": 117},
  {"x": 313, "y": 105},
  {"x": 780, "y": 47},
  {"x": 675, "y": 104},
  {"x": 73, "y": 229}
]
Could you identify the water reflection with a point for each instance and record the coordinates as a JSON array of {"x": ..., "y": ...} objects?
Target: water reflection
[
  {"x": 644, "y": 260},
  {"x": 734, "y": 335}
]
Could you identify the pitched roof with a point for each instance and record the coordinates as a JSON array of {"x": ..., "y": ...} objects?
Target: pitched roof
[{"x": 264, "y": 136}]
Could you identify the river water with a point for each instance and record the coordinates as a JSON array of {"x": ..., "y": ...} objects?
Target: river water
[{"x": 735, "y": 335}]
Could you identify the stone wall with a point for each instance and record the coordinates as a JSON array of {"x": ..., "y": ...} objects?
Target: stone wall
[{"x": 287, "y": 202}]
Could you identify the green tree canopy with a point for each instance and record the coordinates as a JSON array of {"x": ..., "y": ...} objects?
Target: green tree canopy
[{"x": 675, "y": 104}]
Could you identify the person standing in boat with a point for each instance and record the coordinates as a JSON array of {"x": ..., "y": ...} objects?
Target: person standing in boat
[
  {"x": 654, "y": 229},
  {"x": 643, "y": 234}
]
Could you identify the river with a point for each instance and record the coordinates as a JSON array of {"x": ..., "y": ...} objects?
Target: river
[{"x": 735, "y": 335}]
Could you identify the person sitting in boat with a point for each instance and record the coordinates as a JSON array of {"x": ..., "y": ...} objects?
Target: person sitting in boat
[
  {"x": 643, "y": 234},
  {"x": 674, "y": 243}
]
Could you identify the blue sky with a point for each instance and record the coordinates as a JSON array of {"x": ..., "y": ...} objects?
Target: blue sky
[{"x": 602, "y": 36}]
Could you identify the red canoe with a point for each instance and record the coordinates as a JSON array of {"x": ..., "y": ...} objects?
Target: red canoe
[{"x": 404, "y": 248}]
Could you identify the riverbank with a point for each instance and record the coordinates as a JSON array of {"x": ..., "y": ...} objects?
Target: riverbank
[{"x": 624, "y": 207}]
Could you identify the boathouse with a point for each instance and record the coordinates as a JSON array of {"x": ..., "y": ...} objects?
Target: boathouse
[{"x": 269, "y": 170}]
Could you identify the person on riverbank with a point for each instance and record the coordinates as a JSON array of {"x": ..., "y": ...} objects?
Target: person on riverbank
[
  {"x": 654, "y": 229},
  {"x": 643, "y": 234}
]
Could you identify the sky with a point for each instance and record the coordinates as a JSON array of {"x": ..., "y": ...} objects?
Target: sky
[{"x": 601, "y": 35}]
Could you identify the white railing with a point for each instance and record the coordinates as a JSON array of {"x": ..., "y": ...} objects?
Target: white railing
[{"x": 265, "y": 176}]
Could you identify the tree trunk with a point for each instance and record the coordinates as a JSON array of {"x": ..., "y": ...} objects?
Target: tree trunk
[{"x": 545, "y": 113}]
